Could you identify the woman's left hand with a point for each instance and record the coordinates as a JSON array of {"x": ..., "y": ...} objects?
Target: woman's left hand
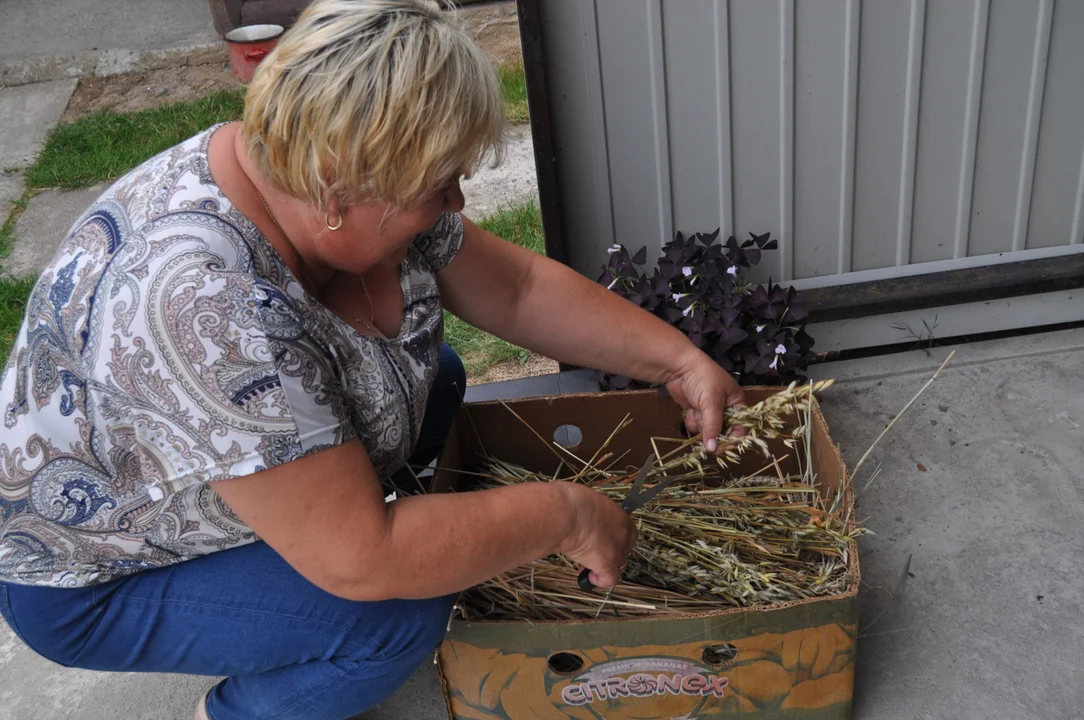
[{"x": 704, "y": 390}]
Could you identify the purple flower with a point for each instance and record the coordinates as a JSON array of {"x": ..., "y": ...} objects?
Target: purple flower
[
  {"x": 612, "y": 250},
  {"x": 687, "y": 311},
  {"x": 775, "y": 363},
  {"x": 760, "y": 328},
  {"x": 780, "y": 349},
  {"x": 732, "y": 270},
  {"x": 678, "y": 296},
  {"x": 687, "y": 271},
  {"x": 611, "y": 285}
]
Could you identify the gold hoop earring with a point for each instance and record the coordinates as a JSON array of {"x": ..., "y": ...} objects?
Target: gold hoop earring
[{"x": 336, "y": 226}]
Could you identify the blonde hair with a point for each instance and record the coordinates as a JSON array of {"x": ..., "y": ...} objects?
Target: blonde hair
[{"x": 364, "y": 99}]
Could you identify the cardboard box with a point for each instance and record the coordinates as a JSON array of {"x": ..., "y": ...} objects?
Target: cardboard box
[{"x": 792, "y": 661}]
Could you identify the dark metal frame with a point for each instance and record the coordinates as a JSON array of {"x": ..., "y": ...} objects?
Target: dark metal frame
[
  {"x": 951, "y": 287},
  {"x": 545, "y": 155}
]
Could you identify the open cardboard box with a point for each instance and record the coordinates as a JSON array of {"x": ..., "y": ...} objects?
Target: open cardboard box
[{"x": 792, "y": 661}]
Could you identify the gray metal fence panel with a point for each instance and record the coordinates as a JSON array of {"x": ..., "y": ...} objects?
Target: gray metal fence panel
[{"x": 869, "y": 136}]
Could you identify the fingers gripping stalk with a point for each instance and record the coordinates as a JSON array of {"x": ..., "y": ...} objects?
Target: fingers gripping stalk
[{"x": 636, "y": 499}]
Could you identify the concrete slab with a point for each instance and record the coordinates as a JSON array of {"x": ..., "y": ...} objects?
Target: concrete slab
[
  {"x": 205, "y": 50},
  {"x": 66, "y": 27},
  {"x": 44, "y": 225},
  {"x": 511, "y": 182},
  {"x": 11, "y": 189},
  {"x": 983, "y": 485},
  {"x": 32, "y": 687},
  {"x": 27, "y": 114}
]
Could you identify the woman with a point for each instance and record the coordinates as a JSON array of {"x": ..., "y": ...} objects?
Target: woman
[{"x": 240, "y": 341}]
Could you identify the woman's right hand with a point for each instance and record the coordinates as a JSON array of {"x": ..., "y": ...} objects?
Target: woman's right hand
[
  {"x": 337, "y": 531},
  {"x": 603, "y": 535}
]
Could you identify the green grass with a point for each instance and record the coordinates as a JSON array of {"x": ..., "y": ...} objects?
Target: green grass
[
  {"x": 514, "y": 87},
  {"x": 103, "y": 146},
  {"x": 521, "y": 224},
  {"x": 13, "y": 295},
  {"x": 106, "y": 145},
  {"x": 7, "y": 230}
]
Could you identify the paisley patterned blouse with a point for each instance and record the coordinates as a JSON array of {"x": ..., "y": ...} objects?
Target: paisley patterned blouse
[{"x": 167, "y": 346}]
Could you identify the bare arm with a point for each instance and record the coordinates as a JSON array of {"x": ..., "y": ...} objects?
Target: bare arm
[
  {"x": 325, "y": 514},
  {"x": 547, "y": 307}
]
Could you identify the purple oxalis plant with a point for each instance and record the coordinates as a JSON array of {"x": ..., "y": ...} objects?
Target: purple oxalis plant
[{"x": 756, "y": 332}]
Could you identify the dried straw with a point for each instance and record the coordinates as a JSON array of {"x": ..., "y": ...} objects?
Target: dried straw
[{"x": 710, "y": 539}]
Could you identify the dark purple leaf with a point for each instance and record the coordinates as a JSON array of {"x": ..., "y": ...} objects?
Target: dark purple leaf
[
  {"x": 724, "y": 321},
  {"x": 732, "y": 336}
]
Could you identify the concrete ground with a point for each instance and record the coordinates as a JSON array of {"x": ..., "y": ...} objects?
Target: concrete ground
[
  {"x": 43, "y": 226},
  {"x": 510, "y": 182},
  {"x": 27, "y": 114},
  {"x": 982, "y": 485},
  {"x": 68, "y": 38},
  {"x": 65, "y": 27}
]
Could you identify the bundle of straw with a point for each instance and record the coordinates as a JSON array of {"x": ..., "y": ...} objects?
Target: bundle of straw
[{"x": 706, "y": 540}]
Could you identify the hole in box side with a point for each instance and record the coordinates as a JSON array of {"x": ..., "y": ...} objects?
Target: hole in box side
[
  {"x": 565, "y": 663},
  {"x": 505, "y": 436},
  {"x": 719, "y": 654},
  {"x": 568, "y": 436}
]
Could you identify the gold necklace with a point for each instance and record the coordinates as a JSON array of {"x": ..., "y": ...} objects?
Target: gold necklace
[{"x": 371, "y": 324}]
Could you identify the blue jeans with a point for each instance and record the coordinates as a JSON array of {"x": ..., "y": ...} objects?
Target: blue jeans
[{"x": 289, "y": 649}]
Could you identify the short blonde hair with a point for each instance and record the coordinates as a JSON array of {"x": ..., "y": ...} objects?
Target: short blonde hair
[{"x": 373, "y": 99}]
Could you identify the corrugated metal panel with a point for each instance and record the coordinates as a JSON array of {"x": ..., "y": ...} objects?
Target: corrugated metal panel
[{"x": 870, "y": 136}]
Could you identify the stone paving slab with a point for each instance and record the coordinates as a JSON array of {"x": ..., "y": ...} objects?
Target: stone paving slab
[
  {"x": 11, "y": 189},
  {"x": 27, "y": 114},
  {"x": 510, "y": 182},
  {"x": 44, "y": 225},
  {"x": 64, "y": 27},
  {"x": 982, "y": 483}
]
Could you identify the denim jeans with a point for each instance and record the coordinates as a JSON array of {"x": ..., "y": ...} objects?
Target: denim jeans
[{"x": 289, "y": 649}]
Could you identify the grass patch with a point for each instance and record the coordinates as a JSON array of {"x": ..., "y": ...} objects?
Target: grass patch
[
  {"x": 106, "y": 145},
  {"x": 519, "y": 224},
  {"x": 13, "y": 296},
  {"x": 522, "y": 225},
  {"x": 7, "y": 230},
  {"x": 514, "y": 87}
]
